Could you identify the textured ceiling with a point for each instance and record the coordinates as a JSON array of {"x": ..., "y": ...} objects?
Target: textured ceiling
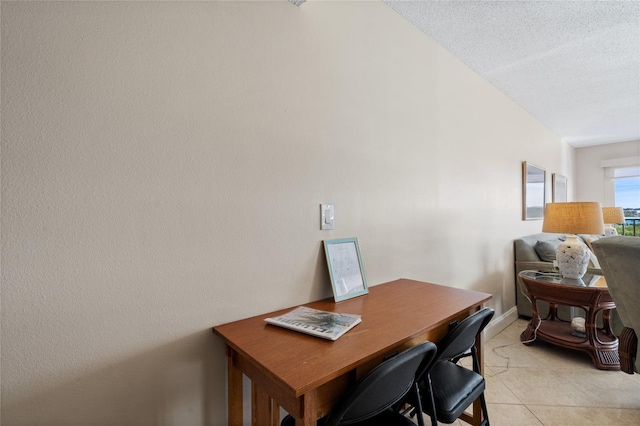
[{"x": 574, "y": 65}]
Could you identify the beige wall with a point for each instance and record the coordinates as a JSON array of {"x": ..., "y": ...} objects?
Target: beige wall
[
  {"x": 593, "y": 183},
  {"x": 162, "y": 169}
]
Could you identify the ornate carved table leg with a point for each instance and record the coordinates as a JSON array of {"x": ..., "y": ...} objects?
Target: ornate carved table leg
[
  {"x": 526, "y": 337},
  {"x": 628, "y": 348}
]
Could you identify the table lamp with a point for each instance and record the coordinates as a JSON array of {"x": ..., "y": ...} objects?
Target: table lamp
[
  {"x": 611, "y": 216},
  {"x": 571, "y": 219}
]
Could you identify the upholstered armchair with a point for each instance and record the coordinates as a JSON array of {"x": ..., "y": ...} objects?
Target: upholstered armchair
[{"x": 619, "y": 258}]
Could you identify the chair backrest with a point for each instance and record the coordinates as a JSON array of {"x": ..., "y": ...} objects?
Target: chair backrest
[
  {"x": 381, "y": 388},
  {"x": 462, "y": 336},
  {"x": 619, "y": 258}
]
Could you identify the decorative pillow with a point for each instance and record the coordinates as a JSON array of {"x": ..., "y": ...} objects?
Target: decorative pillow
[
  {"x": 588, "y": 239},
  {"x": 594, "y": 261},
  {"x": 546, "y": 250}
]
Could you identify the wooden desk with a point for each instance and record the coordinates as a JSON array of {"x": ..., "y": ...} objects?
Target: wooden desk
[{"x": 306, "y": 375}]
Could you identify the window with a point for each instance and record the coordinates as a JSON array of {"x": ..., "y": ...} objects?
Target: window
[
  {"x": 627, "y": 190},
  {"x": 622, "y": 189}
]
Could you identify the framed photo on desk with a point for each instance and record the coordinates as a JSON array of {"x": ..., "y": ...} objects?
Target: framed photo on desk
[{"x": 345, "y": 268}]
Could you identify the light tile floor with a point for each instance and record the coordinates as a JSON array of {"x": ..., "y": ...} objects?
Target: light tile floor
[{"x": 544, "y": 385}]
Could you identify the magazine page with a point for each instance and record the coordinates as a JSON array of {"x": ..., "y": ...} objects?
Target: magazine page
[{"x": 328, "y": 325}]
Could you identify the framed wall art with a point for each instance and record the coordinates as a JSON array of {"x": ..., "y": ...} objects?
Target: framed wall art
[
  {"x": 559, "y": 188},
  {"x": 533, "y": 191},
  {"x": 345, "y": 268}
]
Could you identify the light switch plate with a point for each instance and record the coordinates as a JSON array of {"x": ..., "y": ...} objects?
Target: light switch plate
[{"x": 326, "y": 216}]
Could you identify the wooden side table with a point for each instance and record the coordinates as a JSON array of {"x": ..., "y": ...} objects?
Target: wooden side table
[{"x": 589, "y": 294}]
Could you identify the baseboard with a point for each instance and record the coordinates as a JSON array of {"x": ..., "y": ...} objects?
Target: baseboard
[{"x": 500, "y": 323}]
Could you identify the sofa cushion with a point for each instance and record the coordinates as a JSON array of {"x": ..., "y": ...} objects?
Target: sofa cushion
[
  {"x": 588, "y": 239},
  {"x": 524, "y": 246},
  {"x": 546, "y": 250}
]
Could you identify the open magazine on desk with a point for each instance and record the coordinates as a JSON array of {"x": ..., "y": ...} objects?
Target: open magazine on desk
[{"x": 328, "y": 325}]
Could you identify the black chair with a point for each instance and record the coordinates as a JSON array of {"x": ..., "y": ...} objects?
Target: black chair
[
  {"x": 375, "y": 398},
  {"x": 446, "y": 389}
]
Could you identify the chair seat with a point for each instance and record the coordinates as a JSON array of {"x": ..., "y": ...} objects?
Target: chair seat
[
  {"x": 386, "y": 418},
  {"x": 457, "y": 388},
  {"x": 445, "y": 388}
]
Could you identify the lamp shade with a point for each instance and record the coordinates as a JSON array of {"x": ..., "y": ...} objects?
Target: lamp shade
[
  {"x": 573, "y": 218},
  {"x": 612, "y": 215}
]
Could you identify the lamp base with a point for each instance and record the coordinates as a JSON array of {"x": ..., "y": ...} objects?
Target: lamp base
[
  {"x": 573, "y": 257},
  {"x": 610, "y": 230}
]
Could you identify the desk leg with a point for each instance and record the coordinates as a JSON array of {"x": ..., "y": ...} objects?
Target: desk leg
[
  {"x": 309, "y": 409},
  {"x": 234, "y": 390},
  {"x": 261, "y": 407},
  {"x": 275, "y": 413}
]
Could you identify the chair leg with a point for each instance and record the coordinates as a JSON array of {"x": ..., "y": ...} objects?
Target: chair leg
[
  {"x": 418, "y": 408},
  {"x": 483, "y": 403},
  {"x": 485, "y": 412},
  {"x": 432, "y": 403}
]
